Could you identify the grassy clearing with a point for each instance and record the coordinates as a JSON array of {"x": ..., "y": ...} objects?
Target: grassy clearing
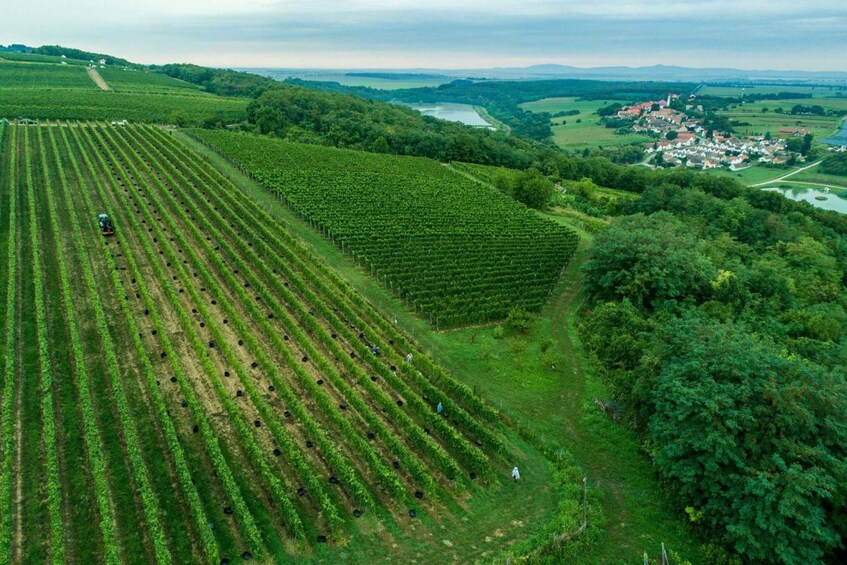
[
  {"x": 814, "y": 177},
  {"x": 583, "y": 130},
  {"x": 49, "y": 91},
  {"x": 754, "y": 174},
  {"x": 762, "y": 121},
  {"x": 549, "y": 391}
]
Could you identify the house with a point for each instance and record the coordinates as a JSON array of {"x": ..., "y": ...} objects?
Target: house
[
  {"x": 738, "y": 160},
  {"x": 796, "y": 132},
  {"x": 694, "y": 161}
]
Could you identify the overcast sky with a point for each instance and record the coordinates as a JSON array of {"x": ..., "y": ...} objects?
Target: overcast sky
[{"x": 749, "y": 34}]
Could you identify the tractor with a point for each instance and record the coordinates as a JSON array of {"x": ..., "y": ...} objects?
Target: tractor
[{"x": 106, "y": 225}]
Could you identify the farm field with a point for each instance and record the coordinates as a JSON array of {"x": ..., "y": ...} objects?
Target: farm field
[
  {"x": 23, "y": 76},
  {"x": 48, "y": 91},
  {"x": 761, "y": 122},
  {"x": 145, "y": 82},
  {"x": 588, "y": 132},
  {"x": 737, "y": 91},
  {"x": 200, "y": 386},
  {"x": 455, "y": 251},
  {"x": 38, "y": 58}
]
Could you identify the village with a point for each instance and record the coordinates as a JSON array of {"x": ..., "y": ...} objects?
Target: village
[{"x": 684, "y": 141}]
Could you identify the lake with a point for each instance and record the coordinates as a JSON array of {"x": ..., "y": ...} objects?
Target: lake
[
  {"x": 464, "y": 113},
  {"x": 832, "y": 200}
]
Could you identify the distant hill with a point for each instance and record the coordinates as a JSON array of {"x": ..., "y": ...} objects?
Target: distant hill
[
  {"x": 553, "y": 71},
  {"x": 662, "y": 72}
]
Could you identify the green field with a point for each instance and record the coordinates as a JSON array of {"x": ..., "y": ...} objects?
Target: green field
[
  {"x": 814, "y": 177},
  {"x": 146, "y": 82},
  {"x": 36, "y": 58},
  {"x": 48, "y": 91},
  {"x": 583, "y": 130},
  {"x": 737, "y": 91},
  {"x": 457, "y": 252},
  {"x": 752, "y": 175},
  {"x": 19, "y": 77},
  {"x": 553, "y": 105},
  {"x": 761, "y": 122}
]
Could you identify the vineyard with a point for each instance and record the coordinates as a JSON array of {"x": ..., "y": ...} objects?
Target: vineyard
[
  {"x": 457, "y": 252},
  {"x": 485, "y": 173},
  {"x": 52, "y": 91},
  {"x": 199, "y": 387},
  {"x": 131, "y": 80}
]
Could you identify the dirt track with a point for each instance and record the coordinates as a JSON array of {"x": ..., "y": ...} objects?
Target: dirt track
[{"x": 98, "y": 80}]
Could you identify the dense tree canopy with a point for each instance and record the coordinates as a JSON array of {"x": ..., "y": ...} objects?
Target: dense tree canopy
[
  {"x": 503, "y": 98},
  {"x": 647, "y": 259},
  {"x": 835, "y": 165},
  {"x": 718, "y": 317},
  {"x": 755, "y": 441},
  {"x": 347, "y": 121}
]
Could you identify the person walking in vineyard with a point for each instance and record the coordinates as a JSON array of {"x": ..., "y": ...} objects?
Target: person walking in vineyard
[
  {"x": 409, "y": 358},
  {"x": 516, "y": 475},
  {"x": 439, "y": 408}
]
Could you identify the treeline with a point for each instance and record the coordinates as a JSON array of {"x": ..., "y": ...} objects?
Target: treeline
[
  {"x": 341, "y": 120},
  {"x": 718, "y": 317},
  {"x": 395, "y": 76},
  {"x": 223, "y": 82},
  {"x": 835, "y": 165},
  {"x": 502, "y": 99},
  {"x": 58, "y": 51},
  {"x": 815, "y": 110}
]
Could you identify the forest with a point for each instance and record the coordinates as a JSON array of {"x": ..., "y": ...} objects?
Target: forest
[
  {"x": 835, "y": 165},
  {"x": 721, "y": 326},
  {"x": 502, "y": 98}
]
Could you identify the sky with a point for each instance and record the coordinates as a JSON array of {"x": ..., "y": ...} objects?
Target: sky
[{"x": 748, "y": 34}]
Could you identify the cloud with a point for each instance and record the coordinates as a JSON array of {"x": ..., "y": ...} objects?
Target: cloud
[{"x": 441, "y": 33}]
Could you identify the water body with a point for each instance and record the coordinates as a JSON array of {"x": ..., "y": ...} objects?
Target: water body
[
  {"x": 833, "y": 200},
  {"x": 464, "y": 113},
  {"x": 840, "y": 138}
]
